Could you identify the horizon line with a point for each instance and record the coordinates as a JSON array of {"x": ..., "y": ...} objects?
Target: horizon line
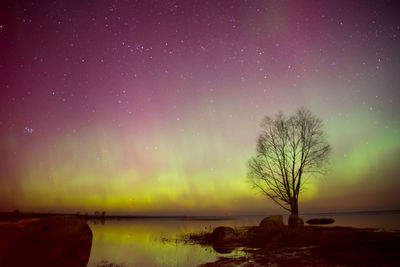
[{"x": 122, "y": 215}]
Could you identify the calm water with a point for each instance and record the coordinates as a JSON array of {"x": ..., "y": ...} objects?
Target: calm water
[
  {"x": 150, "y": 242},
  {"x": 153, "y": 242}
]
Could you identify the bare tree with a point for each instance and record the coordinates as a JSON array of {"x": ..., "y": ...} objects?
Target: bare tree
[{"x": 289, "y": 150}]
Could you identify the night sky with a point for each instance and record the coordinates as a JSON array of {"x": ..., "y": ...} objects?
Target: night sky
[{"x": 154, "y": 107}]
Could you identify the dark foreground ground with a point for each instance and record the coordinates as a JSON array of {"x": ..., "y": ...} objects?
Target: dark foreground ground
[{"x": 307, "y": 246}]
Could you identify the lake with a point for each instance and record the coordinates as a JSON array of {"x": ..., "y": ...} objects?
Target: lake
[{"x": 157, "y": 242}]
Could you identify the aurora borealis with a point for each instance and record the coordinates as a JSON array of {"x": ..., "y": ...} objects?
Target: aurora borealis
[{"x": 153, "y": 107}]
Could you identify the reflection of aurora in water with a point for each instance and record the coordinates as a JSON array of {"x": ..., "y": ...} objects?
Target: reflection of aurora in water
[{"x": 150, "y": 242}]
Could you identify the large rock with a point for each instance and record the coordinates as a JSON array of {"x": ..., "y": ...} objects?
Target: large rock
[
  {"x": 295, "y": 220},
  {"x": 223, "y": 234},
  {"x": 320, "y": 221},
  {"x": 272, "y": 221},
  {"x": 51, "y": 241}
]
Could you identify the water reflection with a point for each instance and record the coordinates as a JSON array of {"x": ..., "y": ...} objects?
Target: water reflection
[
  {"x": 155, "y": 242},
  {"x": 151, "y": 243},
  {"x": 380, "y": 220},
  {"x": 223, "y": 249}
]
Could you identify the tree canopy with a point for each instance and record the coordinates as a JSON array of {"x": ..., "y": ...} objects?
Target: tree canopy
[{"x": 289, "y": 150}]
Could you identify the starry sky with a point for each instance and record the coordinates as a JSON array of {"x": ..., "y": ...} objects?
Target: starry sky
[{"x": 154, "y": 107}]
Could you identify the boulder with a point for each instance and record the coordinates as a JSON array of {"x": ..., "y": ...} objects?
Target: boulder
[
  {"x": 320, "y": 221},
  {"x": 295, "y": 220},
  {"x": 272, "y": 221},
  {"x": 49, "y": 241},
  {"x": 223, "y": 234}
]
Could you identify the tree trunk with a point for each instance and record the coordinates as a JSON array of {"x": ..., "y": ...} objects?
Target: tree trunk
[{"x": 294, "y": 207}]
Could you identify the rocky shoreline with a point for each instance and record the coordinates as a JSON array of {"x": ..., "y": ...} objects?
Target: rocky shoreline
[{"x": 282, "y": 245}]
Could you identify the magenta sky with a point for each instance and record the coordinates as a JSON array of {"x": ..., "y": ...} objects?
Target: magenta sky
[{"x": 153, "y": 107}]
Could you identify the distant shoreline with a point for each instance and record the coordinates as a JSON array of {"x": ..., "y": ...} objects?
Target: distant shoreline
[{"x": 15, "y": 216}]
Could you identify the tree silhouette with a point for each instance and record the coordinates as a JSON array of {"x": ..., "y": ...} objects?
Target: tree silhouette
[{"x": 289, "y": 150}]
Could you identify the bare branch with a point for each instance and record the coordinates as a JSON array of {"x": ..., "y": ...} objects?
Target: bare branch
[{"x": 287, "y": 149}]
